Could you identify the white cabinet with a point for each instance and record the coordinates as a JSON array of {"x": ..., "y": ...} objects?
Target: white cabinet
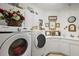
[
  {"x": 74, "y": 50},
  {"x": 65, "y": 47},
  {"x": 58, "y": 45},
  {"x": 52, "y": 45}
]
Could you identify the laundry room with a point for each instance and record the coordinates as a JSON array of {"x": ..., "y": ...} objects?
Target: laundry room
[{"x": 39, "y": 29}]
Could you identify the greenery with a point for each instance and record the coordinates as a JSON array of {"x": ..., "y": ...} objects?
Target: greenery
[{"x": 1, "y": 16}]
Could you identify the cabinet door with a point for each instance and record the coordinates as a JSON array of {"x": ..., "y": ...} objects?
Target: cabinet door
[
  {"x": 65, "y": 47},
  {"x": 74, "y": 50},
  {"x": 52, "y": 45}
]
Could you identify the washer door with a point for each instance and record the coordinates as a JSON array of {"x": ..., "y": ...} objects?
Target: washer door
[
  {"x": 41, "y": 40},
  {"x": 16, "y": 45}
]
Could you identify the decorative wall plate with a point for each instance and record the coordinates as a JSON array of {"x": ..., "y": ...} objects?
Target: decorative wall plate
[
  {"x": 72, "y": 28},
  {"x": 71, "y": 19}
]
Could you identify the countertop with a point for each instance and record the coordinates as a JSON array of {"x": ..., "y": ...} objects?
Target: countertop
[{"x": 65, "y": 39}]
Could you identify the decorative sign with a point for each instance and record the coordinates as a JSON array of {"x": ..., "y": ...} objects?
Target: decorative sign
[
  {"x": 72, "y": 28},
  {"x": 52, "y": 18}
]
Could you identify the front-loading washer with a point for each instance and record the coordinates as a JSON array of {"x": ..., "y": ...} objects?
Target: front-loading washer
[
  {"x": 15, "y": 43},
  {"x": 38, "y": 42}
]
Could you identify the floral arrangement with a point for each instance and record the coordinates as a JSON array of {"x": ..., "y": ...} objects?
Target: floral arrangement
[
  {"x": 1, "y": 16},
  {"x": 14, "y": 18}
]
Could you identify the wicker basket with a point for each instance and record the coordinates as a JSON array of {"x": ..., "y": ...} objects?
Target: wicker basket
[{"x": 14, "y": 23}]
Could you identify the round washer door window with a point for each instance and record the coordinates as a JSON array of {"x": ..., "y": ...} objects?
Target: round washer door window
[
  {"x": 41, "y": 41},
  {"x": 18, "y": 47}
]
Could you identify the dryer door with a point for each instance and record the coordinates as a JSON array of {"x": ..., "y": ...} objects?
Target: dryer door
[
  {"x": 41, "y": 40},
  {"x": 16, "y": 45}
]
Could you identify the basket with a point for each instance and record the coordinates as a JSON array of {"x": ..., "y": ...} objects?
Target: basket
[{"x": 14, "y": 23}]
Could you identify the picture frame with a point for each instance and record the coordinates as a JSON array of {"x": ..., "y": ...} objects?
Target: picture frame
[
  {"x": 71, "y": 19},
  {"x": 72, "y": 28},
  {"x": 54, "y": 18},
  {"x": 56, "y": 33},
  {"x": 52, "y": 22},
  {"x": 57, "y": 25},
  {"x": 52, "y": 33},
  {"x": 52, "y": 25},
  {"x": 48, "y": 33}
]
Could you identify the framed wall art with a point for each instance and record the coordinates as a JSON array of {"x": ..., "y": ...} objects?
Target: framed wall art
[
  {"x": 71, "y": 19},
  {"x": 52, "y": 25},
  {"x": 53, "y": 18},
  {"x": 72, "y": 28},
  {"x": 57, "y": 25},
  {"x": 48, "y": 33},
  {"x": 57, "y": 33},
  {"x": 52, "y": 22}
]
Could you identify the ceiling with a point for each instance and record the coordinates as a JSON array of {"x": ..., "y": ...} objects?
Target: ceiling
[
  {"x": 54, "y": 6},
  {"x": 50, "y": 6}
]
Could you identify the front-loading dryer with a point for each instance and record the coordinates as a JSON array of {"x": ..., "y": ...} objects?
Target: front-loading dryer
[
  {"x": 38, "y": 43},
  {"x": 15, "y": 43}
]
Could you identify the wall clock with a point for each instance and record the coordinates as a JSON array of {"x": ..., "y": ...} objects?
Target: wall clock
[{"x": 71, "y": 19}]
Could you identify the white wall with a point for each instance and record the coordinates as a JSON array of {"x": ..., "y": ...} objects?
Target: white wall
[
  {"x": 63, "y": 18},
  {"x": 33, "y": 20}
]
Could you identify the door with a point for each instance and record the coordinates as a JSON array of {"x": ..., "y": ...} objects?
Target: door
[
  {"x": 64, "y": 47},
  {"x": 41, "y": 40},
  {"x": 52, "y": 45},
  {"x": 16, "y": 45},
  {"x": 38, "y": 44}
]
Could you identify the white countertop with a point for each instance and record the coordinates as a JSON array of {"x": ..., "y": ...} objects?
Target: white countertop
[
  {"x": 65, "y": 39},
  {"x": 61, "y": 37},
  {"x": 54, "y": 36}
]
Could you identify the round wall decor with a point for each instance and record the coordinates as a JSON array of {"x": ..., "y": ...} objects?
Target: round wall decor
[{"x": 71, "y": 19}]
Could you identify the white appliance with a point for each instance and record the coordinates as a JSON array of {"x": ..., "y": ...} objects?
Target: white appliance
[
  {"x": 14, "y": 43},
  {"x": 38, "y": 42}
]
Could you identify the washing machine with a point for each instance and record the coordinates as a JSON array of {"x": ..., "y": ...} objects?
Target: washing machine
[
  {"x": 38, "y": 42},
  {"x": 15, "y": 43}
]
